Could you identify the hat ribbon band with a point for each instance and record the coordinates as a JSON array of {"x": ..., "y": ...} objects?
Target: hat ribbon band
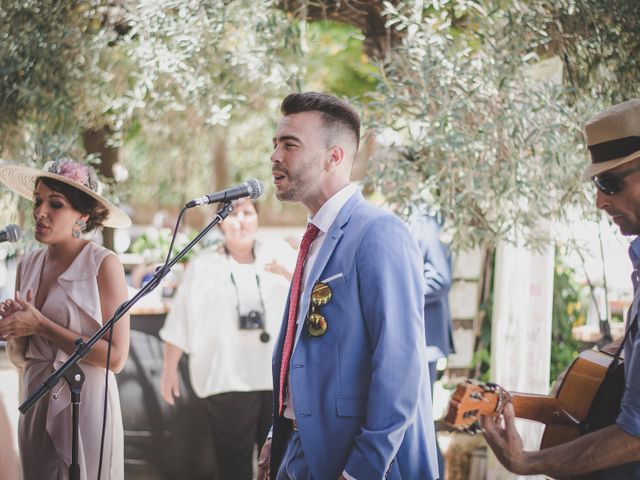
[{"x": 619, "y": 148}]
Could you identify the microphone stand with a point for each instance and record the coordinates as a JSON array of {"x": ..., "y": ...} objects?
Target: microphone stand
[{"x": 70, "y": 370}]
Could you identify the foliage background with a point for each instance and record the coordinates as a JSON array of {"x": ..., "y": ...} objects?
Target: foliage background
[
  {"x": 455, "y": 119},
  {"x": 570, "y": 302},
  {"x": 190, "y": 87}
]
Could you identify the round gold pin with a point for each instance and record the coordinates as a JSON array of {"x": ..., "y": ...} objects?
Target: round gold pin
[
  {"x": 317, "y": 325},
  {"x": 321, "y": 294}
]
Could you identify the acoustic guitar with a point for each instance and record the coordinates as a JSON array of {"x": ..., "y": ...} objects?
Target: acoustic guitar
[{"x": 585, "y": 398}]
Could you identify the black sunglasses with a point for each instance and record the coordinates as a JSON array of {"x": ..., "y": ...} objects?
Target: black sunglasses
[{"x": 612, "y": 183}]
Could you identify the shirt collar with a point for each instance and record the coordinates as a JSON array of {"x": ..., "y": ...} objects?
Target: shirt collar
[{"x": 324, "y": 218}]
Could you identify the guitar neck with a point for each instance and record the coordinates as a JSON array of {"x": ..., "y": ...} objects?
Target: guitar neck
[{"x": 541, "y": 408}]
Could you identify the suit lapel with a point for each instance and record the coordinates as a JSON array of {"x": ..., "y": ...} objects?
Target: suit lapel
[{"x": 326, "y": 251}]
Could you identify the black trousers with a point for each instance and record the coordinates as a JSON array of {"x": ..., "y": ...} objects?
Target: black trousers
[{"x": 239, "y": 420}]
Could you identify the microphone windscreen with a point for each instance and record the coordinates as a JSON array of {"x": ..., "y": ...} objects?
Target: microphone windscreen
[
  {"x": 13, "y": 232},
  {"x": 256, "y": 188}
]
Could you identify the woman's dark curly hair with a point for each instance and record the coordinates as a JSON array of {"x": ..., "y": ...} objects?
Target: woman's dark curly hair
[{"x": 80, "y": 201}]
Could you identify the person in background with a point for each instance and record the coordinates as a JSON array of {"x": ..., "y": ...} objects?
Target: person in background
[
  {"x": 351, "y": 387},
  {"x": 436, "y": 268},
  {"x": 66, "y": 291},
  {"x": 613, "y": 452},
  {"x": 225, "y": 314}
]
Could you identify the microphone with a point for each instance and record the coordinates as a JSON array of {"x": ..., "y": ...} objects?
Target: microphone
[
  {"x": 252, "y": 188},
  {"x": 11, "y": 233}
]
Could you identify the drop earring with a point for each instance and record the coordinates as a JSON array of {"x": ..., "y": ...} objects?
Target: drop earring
[{"x": 81, "y": 225}]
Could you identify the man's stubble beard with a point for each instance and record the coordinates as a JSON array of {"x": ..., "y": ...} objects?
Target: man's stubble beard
[
  {"x": 285, "y": 196},
  {"x": 301, "y": 183}
]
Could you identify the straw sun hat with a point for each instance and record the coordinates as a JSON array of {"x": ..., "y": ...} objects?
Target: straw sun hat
[
  {"x": 22, "y": 180},
  {"x": 613, "y": 137}
]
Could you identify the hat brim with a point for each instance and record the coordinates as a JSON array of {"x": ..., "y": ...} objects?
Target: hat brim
[
  {"x": 598, "y": 168},
  {"x": 22, "y": 180}
]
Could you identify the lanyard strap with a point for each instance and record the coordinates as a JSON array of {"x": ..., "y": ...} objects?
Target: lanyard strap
[{"x": 235, "y": 285}]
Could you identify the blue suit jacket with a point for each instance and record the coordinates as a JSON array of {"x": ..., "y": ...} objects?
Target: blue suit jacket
[
  {"x": 436, "y": 265},
  {"x": 361, "y": 391}
]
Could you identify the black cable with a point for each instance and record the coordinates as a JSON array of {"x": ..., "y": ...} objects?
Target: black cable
[
  {"x": 173, "y": 238},
  {"x": 109, "y": 343},
  {"x": 106, "y": 399}
]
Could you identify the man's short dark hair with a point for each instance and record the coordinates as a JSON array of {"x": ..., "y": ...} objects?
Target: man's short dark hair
[{"x": 335, "y": 111}]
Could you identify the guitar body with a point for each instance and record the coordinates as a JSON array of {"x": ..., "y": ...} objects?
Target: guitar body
[
  {"x": 588, "y": 395},
  {"x": 586, "y": 399},
  {"x": 576, "y": 394}
]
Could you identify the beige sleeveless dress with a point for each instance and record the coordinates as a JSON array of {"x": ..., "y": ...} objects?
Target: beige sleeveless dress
[{"x": 45, "y": 430}]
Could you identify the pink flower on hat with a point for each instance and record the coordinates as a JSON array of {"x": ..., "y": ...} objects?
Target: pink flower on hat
[{"x": 74, "y": 171}]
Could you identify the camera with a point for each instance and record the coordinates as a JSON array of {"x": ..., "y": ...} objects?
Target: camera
[{"x": 252, "y": 321}]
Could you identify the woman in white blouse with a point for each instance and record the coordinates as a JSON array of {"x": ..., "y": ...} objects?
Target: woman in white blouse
[{"x": 225, "y": 316}]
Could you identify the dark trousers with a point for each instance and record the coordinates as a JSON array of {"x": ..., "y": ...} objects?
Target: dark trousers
[{"x": 239, "y": 420}]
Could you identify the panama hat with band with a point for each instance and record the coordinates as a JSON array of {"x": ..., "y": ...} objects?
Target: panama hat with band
[
  {"x": 22, "y": 180},
  {"x": 613, "y": 137}
]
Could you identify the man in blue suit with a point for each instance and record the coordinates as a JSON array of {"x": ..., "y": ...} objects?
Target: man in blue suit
[
  {"x": 436, "y": 263},
  {"x": 436, "y": 267},
  {"x": 355, "y": 396}
]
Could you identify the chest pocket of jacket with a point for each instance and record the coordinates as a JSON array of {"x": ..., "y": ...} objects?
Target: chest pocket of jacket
[
  {"x": 350, "y": 406},
  {"x": 334, "y": 280}
]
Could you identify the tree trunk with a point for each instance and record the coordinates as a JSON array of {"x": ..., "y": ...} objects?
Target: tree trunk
[
  {"x": 95, "y": 141},
  {"x": 219, "y": 164},
  {"x": 366, "y": 15}
]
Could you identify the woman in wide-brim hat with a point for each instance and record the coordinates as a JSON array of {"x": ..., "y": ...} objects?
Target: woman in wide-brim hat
[{"x": 65, "y": 291}]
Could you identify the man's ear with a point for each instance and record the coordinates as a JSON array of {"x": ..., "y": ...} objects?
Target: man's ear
[{"x": 335, "y": 157}]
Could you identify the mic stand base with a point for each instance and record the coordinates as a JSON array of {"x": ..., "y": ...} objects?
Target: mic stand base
[{"x": 75, "y": 378}]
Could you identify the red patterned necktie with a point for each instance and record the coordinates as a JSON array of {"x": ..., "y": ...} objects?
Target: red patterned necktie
[{"x": 310, "y": 233}]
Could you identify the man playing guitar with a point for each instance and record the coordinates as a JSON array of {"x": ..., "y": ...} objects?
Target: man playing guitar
[{"x": 613, "y": 139}]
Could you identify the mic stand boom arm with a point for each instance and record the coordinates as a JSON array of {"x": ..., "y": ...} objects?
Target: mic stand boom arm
[{"x": 83, "y": 348}]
